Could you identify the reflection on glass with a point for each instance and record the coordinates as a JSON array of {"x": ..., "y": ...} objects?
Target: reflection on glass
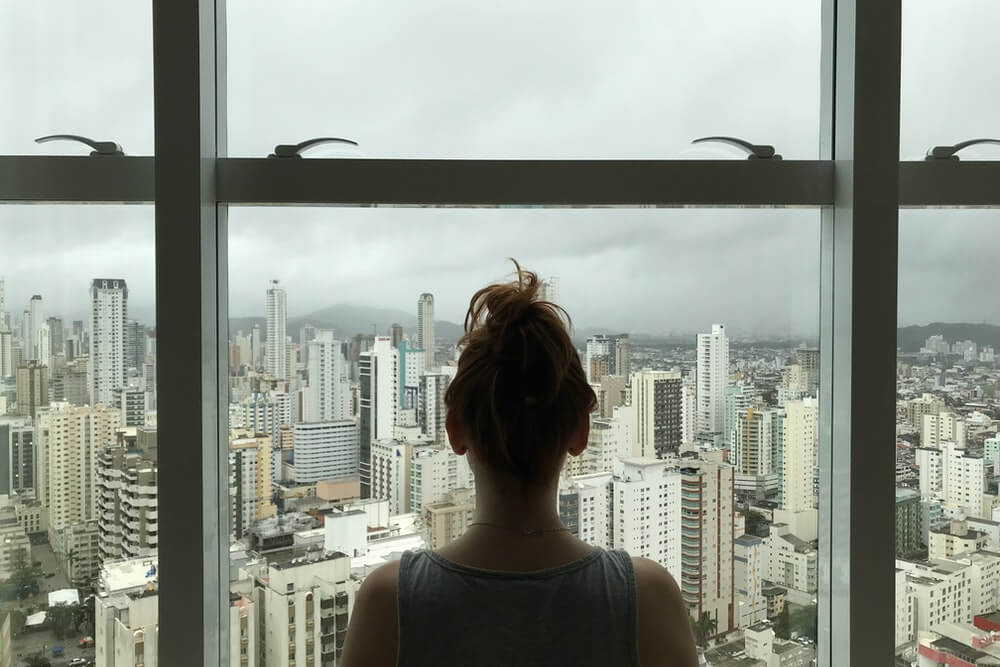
[
  {"x": 636, "y": 79},
  {"x": 697, "y": 330},
  {"x": 947, "y": 446},
  {"x": 78, "y": 431}
]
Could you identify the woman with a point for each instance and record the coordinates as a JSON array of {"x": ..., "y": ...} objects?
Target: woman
[{"x": 517, "y": 588}]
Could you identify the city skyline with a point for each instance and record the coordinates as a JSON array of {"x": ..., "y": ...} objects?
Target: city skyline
[{"x": 768, "y": 284}]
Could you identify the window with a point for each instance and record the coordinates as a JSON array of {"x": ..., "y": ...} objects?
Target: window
[{"x": 778, "y": 83}]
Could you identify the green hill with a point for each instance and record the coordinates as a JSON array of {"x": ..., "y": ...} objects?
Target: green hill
[{"x": 911, "y": 338}]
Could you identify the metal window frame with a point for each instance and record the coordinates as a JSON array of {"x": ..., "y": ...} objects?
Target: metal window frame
[{"x": 859, "y": 183}]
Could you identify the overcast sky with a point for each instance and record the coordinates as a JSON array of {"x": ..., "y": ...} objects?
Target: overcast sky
[{"x": 450, "y": 78}]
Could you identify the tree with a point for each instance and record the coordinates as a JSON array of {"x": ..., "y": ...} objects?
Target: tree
[
  {"x": 757, "y": 524},
  {"x": 62, "y": 617},
  {"x": 37, "y": 660},
  {"x": 704, "y": 628},
  {"x": 25, "y": 578},
  {"x": 17, "y": 620},
  {"x": 781, "y": 624}
]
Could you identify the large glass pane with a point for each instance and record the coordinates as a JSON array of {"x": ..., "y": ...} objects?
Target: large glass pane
[
  {"x": 950, "y": 66},
  {"x": 633, "y": 79},
  {"x": 947, "y": 445},
  {"x": 78, "y": 433},
  {"x": 83, "y": 68},
  {"x": 340, "y": 352}
]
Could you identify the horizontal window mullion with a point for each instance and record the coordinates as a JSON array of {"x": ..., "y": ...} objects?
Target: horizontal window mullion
[
  {"x": 526, "y": 182},
  {"x": 951, "y": 183},
  {"x": 96, "y": 179}
]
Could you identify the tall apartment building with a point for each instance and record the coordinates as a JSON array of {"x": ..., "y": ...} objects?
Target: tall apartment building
[
  {"x": 435, "y": 470},
  {"x": 378, "y": 370},
  {"x": 909, "y": 536},
  {"x": 325, "y": 450},
  {"x": 36, "y": 320},
  {"x": 135, "y": 344},
  {"x": 739, "y": 398},
  {"x": 713, "y": 377},
  {"x": 798, "y": 455},
  {"x": 390, "y": 473},
  {"x": 706, "y": 581},
  {"x": 807, "y": 358},
  {"x": 17, "y": 456},
  {"x": 14, "y": 543},
  {"x": 304, "y": 607},
  {"x": 447, "y": 520},
  {"x": 954, "y": 477},
  {"x": 412, "y": 366},
  {"x": 608, "y": 355},
  {"x": 263, "y": 412},
  {"x": 108, "y": 317},
  {"x": 940, "y": 427},
  {"x": 952, "y": 590},
  {"x": 656, "y": 398},
  {"x": 70, "y": 441},
  {"x": 431, "y": 409},
  {"x": 128, "y": 525},
  {"x": 3, "y": 304},
  {"x": 69, "y": 383},
  {"x": 32, "y": 386},
  {"x": 636, "y": 507},
  {"x": 329, "y": 392},
  {"x": 749, "y": 571},
  {"x": 646, "y": 511},
  {"x": 425, "y": 328},
  {"x": 756, "y": 443},
  {"x": 6, "y": 352},
  {"x": 914, "y": 409},
  {"x": 609, "y": 440},
  {"x": 689, "y": 409},
  {"x": 250, "y": 481},
  {"x": 791, "y": 562},
  {"x": 276, "y": 352}
]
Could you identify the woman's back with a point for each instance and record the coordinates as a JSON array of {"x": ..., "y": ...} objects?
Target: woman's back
[{"x": 580, "y": 613}]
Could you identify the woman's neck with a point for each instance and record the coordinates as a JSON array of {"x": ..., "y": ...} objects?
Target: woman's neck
[{"x": 508, "y": 504}]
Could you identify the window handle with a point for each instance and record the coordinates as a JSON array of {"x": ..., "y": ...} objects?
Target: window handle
[
  {"x": 949, "y": 152},
  {"x": 754, "y": 151},
  {"x": 295, "y": 150},
  {"x": 99, "y": 147}
]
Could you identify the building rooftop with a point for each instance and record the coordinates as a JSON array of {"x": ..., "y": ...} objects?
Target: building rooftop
[
  {"x": 747, "y": 540},
  {"x": 906, "y": 494},
  {"x": 314, "y": 557}
]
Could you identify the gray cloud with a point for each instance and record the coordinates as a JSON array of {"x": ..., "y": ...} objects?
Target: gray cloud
[{"x": 516, "y": 79}]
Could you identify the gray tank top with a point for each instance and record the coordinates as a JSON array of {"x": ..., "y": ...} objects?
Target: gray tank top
[{"x": 581, "y": 613}]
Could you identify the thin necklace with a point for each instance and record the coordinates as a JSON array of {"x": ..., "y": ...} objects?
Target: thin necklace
[{"x": 523, "y": 531}]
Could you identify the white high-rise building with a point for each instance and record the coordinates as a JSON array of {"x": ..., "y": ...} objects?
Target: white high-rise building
[
  {"x": 127, "y": 503},
  {"x": 647, "y": 511},
  {"x": 108, "y": 318},
  {"x": 329, "y": 391},
  {"x": 378, "y": 379},
  {"x": 636, "y": 508},
  {"x": 276, "y": 351},
  {"x": 610, "y": 439},
  {"x": 3, "y": 304},
  {"x": 942, "y": 426},
  {"x": 431, "y": 410},
  {"x": 6, "y": 353},
  {"x": 412, "y": 366},
  {"x": 549, "y": 290},
  {"x": 953, "y": 476},
  {"x": 325, "y": 450},
  {"x": 435, "y": 470},
  {"x": 656, "y": 398},
  {"x": 799, "y": 447},
  {"x": 425, "y": 327},
  {"x": 755, "y": 445},
  {"x": 713, "y": 376}
]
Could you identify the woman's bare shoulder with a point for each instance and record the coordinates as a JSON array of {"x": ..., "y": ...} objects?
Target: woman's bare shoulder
[
  {"x": 372, "y": 633},
  {"x": 663, "y": 631}
]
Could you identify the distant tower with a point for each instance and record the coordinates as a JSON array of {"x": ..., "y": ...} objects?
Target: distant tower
[
  {"x": 425, "y": 327},
  {"x": 378, "y": 380},
  {"x": 37, "y": 318},
  {"x": 713, "y": 375},
  {"x": 396, "y": 334},
  {"x": 108, "y": 317},
  {"x": 549, "y": 290},
  {"x": 276, "y": 352},
  {"x": 3, "y": 306}
]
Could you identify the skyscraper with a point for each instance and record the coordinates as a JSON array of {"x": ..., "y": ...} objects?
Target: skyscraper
[
  {"x": 549, "y": 290},
  {"x": 425, "y": 327},
  {"x": 608, "y": 355},
  {"x": 3, "y": 304},
  {"x": 108, "y": 316},
  {"x": 378, "y": 371},
  {"x": 32, "y": 386},
  {"x": 656, "y": 398},
  {"x": 276, "y": 353},
  {"x": 713, "y": 374},
  {"x": 135, "y": 345},
  {"x": 325, "y": 450},
  {"x": 37, "y": 318},
  {"x": 6, "y": 353}
]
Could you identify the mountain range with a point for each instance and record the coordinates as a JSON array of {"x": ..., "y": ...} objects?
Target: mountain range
[{"x": 911, "y": 338}]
